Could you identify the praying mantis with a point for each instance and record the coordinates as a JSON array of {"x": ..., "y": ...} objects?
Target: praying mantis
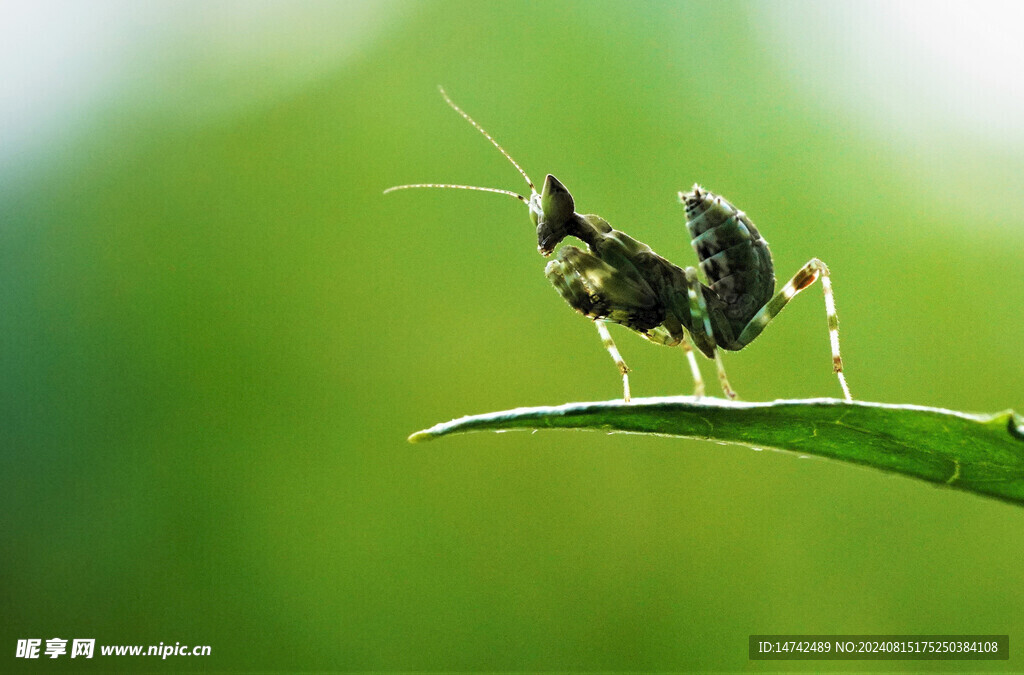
[{"x": 618, "y": 279}]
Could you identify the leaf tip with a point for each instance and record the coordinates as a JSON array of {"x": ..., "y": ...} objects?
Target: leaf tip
[{"x": 420, "y": 436}]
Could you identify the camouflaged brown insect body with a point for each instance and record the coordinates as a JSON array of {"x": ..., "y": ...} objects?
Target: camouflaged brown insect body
[{"x": 623, "y": 281}]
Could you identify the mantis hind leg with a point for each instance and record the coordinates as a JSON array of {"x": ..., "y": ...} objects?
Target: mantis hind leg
[
  {"x": 806, "y": 276},
  {"x": 609, "y": 344},
  {"x": 700, "y": 327}
]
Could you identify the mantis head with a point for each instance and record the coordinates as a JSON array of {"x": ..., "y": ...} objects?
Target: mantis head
[
  {"x": 552, "y": 210},
  {"x": 553, "y": 217}
]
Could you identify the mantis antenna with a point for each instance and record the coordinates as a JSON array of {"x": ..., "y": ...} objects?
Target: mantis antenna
[{"x": 447, "y": 186}]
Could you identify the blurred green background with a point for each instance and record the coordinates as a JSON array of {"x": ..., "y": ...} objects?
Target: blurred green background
[{"x": 216, "y": 333}]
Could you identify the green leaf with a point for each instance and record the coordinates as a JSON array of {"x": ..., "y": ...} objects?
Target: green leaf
[{"x": 983, "y": 454}]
